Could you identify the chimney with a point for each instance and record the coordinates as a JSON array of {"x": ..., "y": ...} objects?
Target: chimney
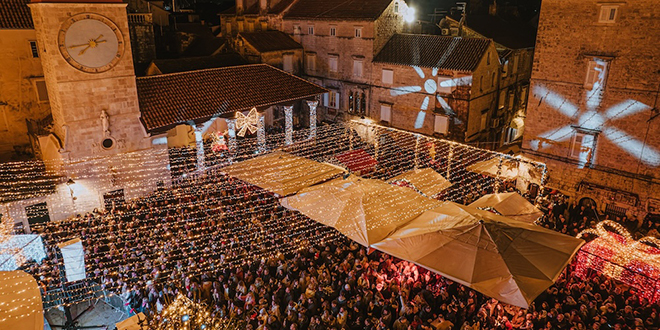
[
  {"x": 239, "y": 7},
  {"x": 492, "y": 9},
  {"x": 263, "y": 6}
]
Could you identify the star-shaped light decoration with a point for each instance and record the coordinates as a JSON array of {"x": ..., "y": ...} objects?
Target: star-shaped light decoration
[{"x": 247, "y": 123}]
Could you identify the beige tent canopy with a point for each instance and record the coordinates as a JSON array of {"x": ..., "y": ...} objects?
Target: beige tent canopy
[
  {"x": 426, "y": 180},
  {"x": 497, "y": 167},
  {"x": 510, "y": 205},
  {"x": 364, "y": 210},
  {"x": 20, "y": 299},
  {"x": 509, "y": 260},
  {"x": 282, "y": 173}
]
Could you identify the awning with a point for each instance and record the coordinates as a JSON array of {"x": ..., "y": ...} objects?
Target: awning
[
  {"x": 282, "y": 173},
  {"x": 510, "y": 205},
  {"x": 20, "y": 299},
  {"x": 497, "y": 167}
]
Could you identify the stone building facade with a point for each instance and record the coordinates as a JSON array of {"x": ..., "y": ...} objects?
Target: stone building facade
[
  {"x": 593, "y": 108},
  {"x": 23, "y": 92},
  {"x": 340, "y": 40},
  {"x": 436, "y": 85}
]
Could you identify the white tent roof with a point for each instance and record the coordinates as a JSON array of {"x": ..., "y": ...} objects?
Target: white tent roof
[
  {"x": 510, "y": 205},
  {"x": 20, "y": 299},
  {"x": 282, "y": 173},
  {"x": 509, "y": 260},
  {"x": 506, "y": 169},
  {"x": 425, "y": 180},
  {"x": 364, "y": 210}
]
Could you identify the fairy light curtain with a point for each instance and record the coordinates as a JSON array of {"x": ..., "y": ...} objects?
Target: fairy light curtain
[{"x": 17, "y": 249}]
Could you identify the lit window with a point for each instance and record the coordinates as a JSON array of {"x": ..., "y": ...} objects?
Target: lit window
[
  {"x": 264, "y": 26},
  {"x": 596, "y": 72},
  {"x": 608, "y": 14},
  {"x": 228, "y": 29},
  {"x": 296, "y": 30},
  {"x": 583, "y": 146},
  {"x": 310, "y": 29},
  {"x": 396, "y": 7},
  {"x": 331, "y": 99},
  {"x": 240, "y": 26},
  {"x": 441, "y": 124},
  {"x": 250, "y": 26},
  {"x": 332, "y": 63},
  {"x": 388, "y": 76},
  {"x": 358, "y": 32},
  {"x": 333, "y": 31},
  {"x": 357, "y": 68},
  {"x": 386, "y": 113},
  {"x": 34, "y": 49}
]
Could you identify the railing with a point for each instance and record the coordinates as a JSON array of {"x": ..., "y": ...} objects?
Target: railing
[{"x": 140, "y": 18}]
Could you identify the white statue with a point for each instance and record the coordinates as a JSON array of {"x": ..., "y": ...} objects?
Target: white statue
[{"x": 105, "y": 123}]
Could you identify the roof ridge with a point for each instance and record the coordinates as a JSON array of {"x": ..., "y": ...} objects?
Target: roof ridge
[{"x": 203, "y": 70}]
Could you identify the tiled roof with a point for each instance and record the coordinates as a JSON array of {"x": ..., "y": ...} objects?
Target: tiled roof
[
  {"x": 450, "y": 53},
  {"x": 166, "y": 66},
  {"x": 268, "y": 41},
  {"x": 204, "y": 46},
  {"x": 15, "y": 14},
  {"x": 168, "y": 100},
  {"x": 338, "y": 9},
  {"x": 277, "y": 9}
]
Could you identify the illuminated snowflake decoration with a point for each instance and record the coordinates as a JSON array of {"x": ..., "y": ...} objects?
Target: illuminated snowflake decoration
[
  {"x": 594, "y": 120},
  {"x": 430, "y": 86}
]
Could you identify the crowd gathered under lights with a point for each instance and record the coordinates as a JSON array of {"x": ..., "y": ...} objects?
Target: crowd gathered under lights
[{"x": 230, "y": 245}]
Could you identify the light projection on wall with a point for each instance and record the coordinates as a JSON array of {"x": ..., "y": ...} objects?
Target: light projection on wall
[
  {"x": 591, "y": 119},
  {"x": 430, "y": 86}
]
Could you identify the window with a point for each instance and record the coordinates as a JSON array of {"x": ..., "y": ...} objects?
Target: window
[
  {"x": 596, "y": 71},
  {"x": 40, "y": 89},
  {"x": 492, "y": 82},
  {"x": 502, "y": 100},
  {"x": 311, "y": 62},
  {"x": 333, "y": 31},
  {"x": 264, "y": 26},
  {"x": 386, "y": 113},
  {"x": 441, "y": 124},
  {"x": 524, "y": 94},
  {"x": 331, "y": 99},
  {"x": 357, "y": 103},
  {"x": 287, "y": 64},
  {"x": 445, "y": 85},
  {"x": 250, "y": 26},
  {"x": 388, "y": 76},
  {"x": 608, "y": 13},
  {"x": 333, "y": 63},
  {"x": 34, "y": 49},
  {"x": 582, "y": 146},
  {"x": 358, "y": 32},
  {"x": 297, "y": 30},
  {"x": 396, "y": 7},
  {"x": 511, "y": 97},
  {"x": 37, "y": 213},
  {"x": 357, "y": 68},
  {"x": 228, "y": 29},
  {"x": 505, "y": 69},
  {"x": 310, "y": 29},
  {"x": 240, "y": 26}
]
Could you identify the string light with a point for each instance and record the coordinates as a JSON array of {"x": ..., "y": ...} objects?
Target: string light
[
  {"x": 164, "y": 219},
  {"x": 618, "y": 255}
]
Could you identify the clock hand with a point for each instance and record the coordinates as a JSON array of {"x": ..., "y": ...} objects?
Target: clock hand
[
  {"x": 77, "y": 46},
  {"x": 99, "y": 37},
  {"x": 84, "y": 50}
]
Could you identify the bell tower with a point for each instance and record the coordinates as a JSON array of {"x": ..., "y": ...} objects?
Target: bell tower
[{"x": 88, "y": 68}]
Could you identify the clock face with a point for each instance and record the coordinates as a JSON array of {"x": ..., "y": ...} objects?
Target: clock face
[{"x": 91, "y": 43}]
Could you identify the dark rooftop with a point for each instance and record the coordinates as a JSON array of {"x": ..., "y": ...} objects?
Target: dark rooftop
[
  {"x": 166, "y": 66},
  {"x": 450, "y": 53},
  {"x": 507, "y": 33},
  {"x": 172, "y": 99},
  {"x": 268, "y": 41},
  {"x": 15, "y": 14},
  {"x": 338, "y": 9}
]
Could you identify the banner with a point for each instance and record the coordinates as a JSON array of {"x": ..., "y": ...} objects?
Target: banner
[{"x": 74, "y": 259}]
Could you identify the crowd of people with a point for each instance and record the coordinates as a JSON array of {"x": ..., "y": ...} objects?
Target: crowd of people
[{"x": 232, "y": 247}]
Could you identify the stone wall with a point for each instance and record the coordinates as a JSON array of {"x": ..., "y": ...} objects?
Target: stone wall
[
  {"x": 619, "y": 115},
  {"x": 19, "y": 74},
  {"x": 143, "y": 42}
]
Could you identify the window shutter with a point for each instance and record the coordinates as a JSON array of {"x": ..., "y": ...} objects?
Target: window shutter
[
  {"x": 441, "y": 124},
  {"x": 604, "y": 12},
  {"x": 336, "y": 100},
  {"x": 325, "y": 99},
  {"x": 388, "y": 76},
  {"x": 385, "y": 113},
  {"x": 592, "y": 75}
]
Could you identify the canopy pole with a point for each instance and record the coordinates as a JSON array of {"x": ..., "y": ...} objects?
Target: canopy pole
[
  {"x": 417, "y": 151},
  {"x": 312, "y": 118},
  {"x": 288, "y": 124},
  {"x": 231, "y": 140},
  {"x": 261, "y": 133}
]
